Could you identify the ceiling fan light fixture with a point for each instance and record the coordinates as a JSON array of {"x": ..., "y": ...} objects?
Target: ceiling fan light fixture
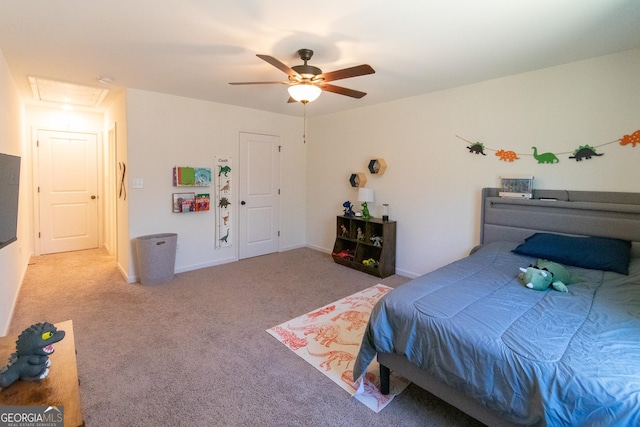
[{"x": 304, "y": 92}]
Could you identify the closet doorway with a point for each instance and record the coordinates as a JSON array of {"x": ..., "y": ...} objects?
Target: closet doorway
[
  {"x": 66, "y": 205},
  {"x": 259, "y": 191}
]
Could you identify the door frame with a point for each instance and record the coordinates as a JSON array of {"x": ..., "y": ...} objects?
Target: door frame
[{"x": 35, "y": 173}]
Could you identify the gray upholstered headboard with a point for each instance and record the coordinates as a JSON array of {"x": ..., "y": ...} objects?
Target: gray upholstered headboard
[{"x": 588, "y": 213}]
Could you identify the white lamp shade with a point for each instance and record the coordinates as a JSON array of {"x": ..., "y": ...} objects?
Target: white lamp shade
[
  {"x": 304, "y": 92},
  {"x": 365, "y": 195}
]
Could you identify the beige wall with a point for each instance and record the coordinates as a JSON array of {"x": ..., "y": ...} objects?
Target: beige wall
[
  {"x": 164, "y": 131},
  {"x": 432, "y": 182},
  {"x": 15, "y": 256}
]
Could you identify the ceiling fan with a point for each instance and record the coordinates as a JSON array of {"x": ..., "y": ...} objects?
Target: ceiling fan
[{"x": 306, "y": 82}]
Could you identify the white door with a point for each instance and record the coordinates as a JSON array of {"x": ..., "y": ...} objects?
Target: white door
[
  {"x": 258, "y": 192},
  {"x": 67, "y": 164}
]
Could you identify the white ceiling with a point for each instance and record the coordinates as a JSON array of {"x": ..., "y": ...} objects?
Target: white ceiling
[{"x": 193, "y": 48}]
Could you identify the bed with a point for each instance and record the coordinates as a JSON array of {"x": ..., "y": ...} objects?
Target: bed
[{"x": 507, "y": 355}]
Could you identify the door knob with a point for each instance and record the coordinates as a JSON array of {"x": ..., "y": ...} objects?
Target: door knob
[
  {"x": 243, "y": 203},
  {"x": 93, "y": 197}
]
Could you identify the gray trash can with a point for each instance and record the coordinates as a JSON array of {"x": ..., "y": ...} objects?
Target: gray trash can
[{"x": 156, "y": 255}]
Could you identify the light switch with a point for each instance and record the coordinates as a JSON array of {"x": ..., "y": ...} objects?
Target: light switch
[{"x": 137, "y": 183}]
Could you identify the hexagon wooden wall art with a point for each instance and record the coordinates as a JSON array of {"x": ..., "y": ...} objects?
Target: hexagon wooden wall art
[
  {"x": 357, "y": 179},
  {"x": 377, "y": 166}
]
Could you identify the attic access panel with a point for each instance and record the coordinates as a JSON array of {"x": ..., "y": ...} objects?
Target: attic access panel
[{"x": 66, "y": 93}]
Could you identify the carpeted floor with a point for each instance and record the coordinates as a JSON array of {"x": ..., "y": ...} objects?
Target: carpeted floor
[{"x": 194, "y": 352}]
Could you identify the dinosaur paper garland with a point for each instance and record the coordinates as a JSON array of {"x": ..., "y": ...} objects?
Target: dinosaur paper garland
[
  {"x": 632, "y": 139},
  {"x": 544, "y": 157},
  {"x": 582, "y": 152}
]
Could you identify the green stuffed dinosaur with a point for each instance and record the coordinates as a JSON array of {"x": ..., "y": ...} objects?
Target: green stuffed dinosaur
[
  {"x": 539, "y": 280},
  {"x": 558, "y": 270},
  {"x": 545, "y": 274}
]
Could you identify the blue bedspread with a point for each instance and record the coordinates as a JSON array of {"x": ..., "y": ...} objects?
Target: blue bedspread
[{"x": 533, "y": 357}]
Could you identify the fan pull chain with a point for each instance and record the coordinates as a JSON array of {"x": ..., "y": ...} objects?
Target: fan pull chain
[{"x": 304, "y": 130}]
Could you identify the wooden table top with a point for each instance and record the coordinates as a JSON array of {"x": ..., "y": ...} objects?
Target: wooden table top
[{"x": 59, "y": 388}]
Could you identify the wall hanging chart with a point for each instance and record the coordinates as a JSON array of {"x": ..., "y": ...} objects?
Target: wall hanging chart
[
  {"x": 224, "y": 191},
  {"x": 582, "y": 152}
]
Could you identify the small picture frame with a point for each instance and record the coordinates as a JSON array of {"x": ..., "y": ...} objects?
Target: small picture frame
[
  {"x": 184, "y": 202},
  {"x": 520, "y": 187}
]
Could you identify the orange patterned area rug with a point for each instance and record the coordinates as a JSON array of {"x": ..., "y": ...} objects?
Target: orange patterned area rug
[{"x": 329, "y": 339}]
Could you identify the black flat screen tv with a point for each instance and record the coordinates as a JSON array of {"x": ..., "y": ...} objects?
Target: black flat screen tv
[{"x": 9, "y": 192}]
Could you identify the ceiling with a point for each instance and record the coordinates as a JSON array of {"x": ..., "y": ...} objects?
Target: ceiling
[{"x": 194, "y": 48}]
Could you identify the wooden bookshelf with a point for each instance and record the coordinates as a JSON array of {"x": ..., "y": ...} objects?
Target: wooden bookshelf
[{"x": 356, "y": 242}]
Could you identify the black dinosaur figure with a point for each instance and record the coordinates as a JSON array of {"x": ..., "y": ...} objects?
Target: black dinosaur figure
[
  {"x": 223, "y": 202},
  {"x": 584, "y": 152},
  {"x": 31, "y": 361},
  {"x": 476, "y": 148}
]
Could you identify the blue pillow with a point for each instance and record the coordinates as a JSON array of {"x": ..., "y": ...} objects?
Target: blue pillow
[{"x": 598, "y": 253}]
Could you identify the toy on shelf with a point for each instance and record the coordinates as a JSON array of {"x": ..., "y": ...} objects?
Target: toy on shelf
[
  {"x": 348, "y": 208},
  {"x": 30, "y": 362},
  {"x": 365, "y": 212},
  {"x": 346, "y": 254},
  {"x": 360, "y": 234},
  {"x": 344, "y": 231},
  {"x": 377, "y": 241},
  {"x": 370, "y": 262}
]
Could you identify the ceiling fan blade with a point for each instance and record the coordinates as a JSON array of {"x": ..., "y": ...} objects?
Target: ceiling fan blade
[
  {"x": 279, "y": 65},
  {"x": 345, "y": 73},
  {"x": 343, "y": 91},
  {"x": 259, "y": 83}
]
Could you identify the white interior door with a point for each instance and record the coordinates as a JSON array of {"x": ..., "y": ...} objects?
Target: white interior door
[
  {"x": 67, "y": 191},
  {"x": 258, "y": 191}
]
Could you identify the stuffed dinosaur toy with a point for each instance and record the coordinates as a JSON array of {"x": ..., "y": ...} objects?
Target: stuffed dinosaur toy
[
  {"x": 539, "y": 280},
  {"x": 30, "y": 362},
  {"x": 546, "y": 273},
  {"x": 558, "y": 271}
]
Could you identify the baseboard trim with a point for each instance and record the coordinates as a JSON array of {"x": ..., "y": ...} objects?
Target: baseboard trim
[{"x": 205, "y": 265}]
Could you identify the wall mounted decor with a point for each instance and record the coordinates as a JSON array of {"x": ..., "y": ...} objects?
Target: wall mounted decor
[
  {"x": 632, "y": 139},
  {"x": 544, "y": 157},
  {"x": 357, "y": 179},
  {"x": 122, "y": 191},
  {"x": 188, "y": 176},
  {"x": 476, "y": 148},
  {"x": 585, "y": 152},
  {"x": 507, "y": 156},
  {"x": 184, "y": 202},
  {"x": 224, "y": 191},
  {"x": 202, "y": 202},
  {"x": 377, "y": 166}
]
